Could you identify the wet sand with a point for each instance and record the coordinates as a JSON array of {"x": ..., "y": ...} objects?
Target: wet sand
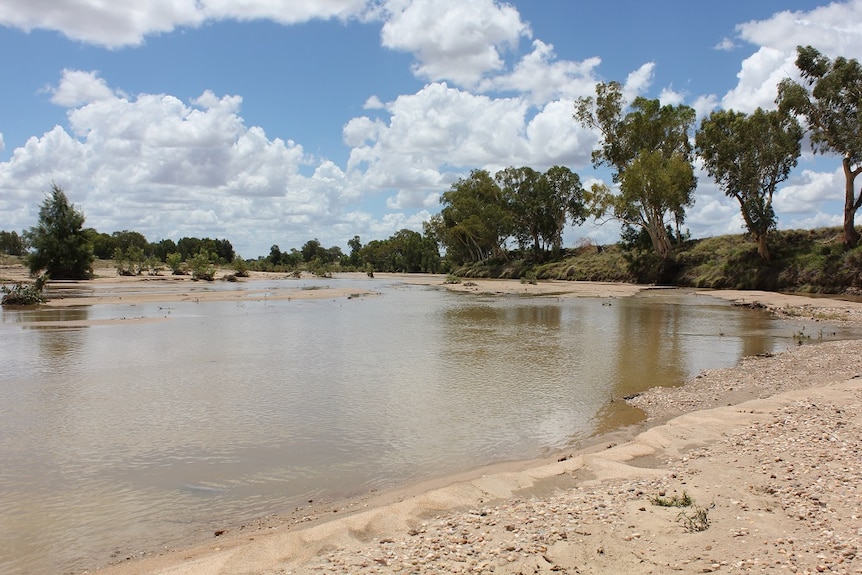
[{"x": 767, "y": 451}]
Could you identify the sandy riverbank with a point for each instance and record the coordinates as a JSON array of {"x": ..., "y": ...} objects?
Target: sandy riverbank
[{"x": 768, "y": 451}]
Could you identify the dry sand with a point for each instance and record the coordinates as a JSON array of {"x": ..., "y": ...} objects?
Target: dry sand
[{"x": 770, "y": 453}]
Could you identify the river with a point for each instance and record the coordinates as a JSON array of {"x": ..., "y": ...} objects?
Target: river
[{"x": 123, "y": 437}]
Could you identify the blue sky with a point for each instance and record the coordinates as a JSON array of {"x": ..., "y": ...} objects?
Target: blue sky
[{"x": 270, "y": 122}]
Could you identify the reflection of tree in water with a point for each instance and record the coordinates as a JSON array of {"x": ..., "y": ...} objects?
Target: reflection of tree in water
[
  {"x": 56, "y": 343},
  {"x": 650, "y": 348}
]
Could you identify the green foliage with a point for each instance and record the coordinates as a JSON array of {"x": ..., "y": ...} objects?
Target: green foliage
[
  {"x": 12, "y": 244},
  {"x": 674, "y": 500},
  {"x": 240, "y": 267},
  {"x": 650, "y": 152},
  {"x": 175, "y": 263},
  {"x": 60, "y": 246},
  {"x": 540, "y": 203},
  {"x": 405, "y": 251},
  {"x": 25, "y": 294},
  {"x": 475, "y": 221},
  {"x": 202, "y": 267},
  {"x": 830, "y": 100},
  {"x": 748, "y": 156}
]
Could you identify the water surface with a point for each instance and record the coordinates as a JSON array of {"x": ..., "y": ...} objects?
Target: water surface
[{"x": 127, "y": 437}]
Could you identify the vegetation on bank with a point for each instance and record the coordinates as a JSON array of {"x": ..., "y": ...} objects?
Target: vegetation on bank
[{"x": 807, "y": 261}]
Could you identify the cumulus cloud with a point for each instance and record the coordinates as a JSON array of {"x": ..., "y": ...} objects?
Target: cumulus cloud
[
  {"x": 638, "y": 81},
  {"x": 807, "y": 192},
  {"x": 77, "y": 88},
  {"x": 453, "y": 40},
  {"x": 116, "y": 24},
  {"x": 542, "y": 77},
  {"x": 441, "y": 126},
  {"x": 832, "y": 29},
  {"x": 758, "y": 80},
  {"x": 176, "y": 168}
]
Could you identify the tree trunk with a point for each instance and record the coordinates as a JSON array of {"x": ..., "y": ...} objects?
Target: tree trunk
[
  {"x": 762, "y": 248},
  {"x": 660, "y": 241},
  {"x": 851, "y": 236}
]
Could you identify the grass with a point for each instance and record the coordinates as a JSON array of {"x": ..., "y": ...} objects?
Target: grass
[
  {"x": 697, "y": 520},
  {"x": 807, "y": 261},
  {"x": 675, "y": 500},
  {"x": 694, "y": 519}
]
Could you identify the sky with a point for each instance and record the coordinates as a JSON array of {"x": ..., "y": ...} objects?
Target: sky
[{"x": 268, "y": 122}]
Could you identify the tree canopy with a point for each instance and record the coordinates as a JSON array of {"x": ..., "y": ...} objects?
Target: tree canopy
[
  {"x": 650, "y": 153},
  {"x": 748, "y": 156},
  {"x": 60, "y": 246},
  {"x": 830, "y": 100}
]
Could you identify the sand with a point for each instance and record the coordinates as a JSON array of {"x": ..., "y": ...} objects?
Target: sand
[{"x": 769, "y": 453}]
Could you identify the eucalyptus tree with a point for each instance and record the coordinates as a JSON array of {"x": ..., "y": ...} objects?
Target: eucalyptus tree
[
  {"x": 650, "y": 153},
  {"x": 540, "y": 203},
  {"x": 61, "y": 246},
  {"x": 830, "y": 100},
  {"x": 748, "y": 156},
  {"x": 475, "y": 220}
]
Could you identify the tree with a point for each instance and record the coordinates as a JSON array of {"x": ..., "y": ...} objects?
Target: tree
[
  {"x": 830, "y": 101},
  {"x": 748, "y": 156},
  {"x": 12, "y": 244},
  {"x": 355, "y": 246},
  {"x": 651, "y": 155},
  {"x": 539, "y": 204},
  {"x": 60, "y": 245},
  {"x": 475, "y": 221}
]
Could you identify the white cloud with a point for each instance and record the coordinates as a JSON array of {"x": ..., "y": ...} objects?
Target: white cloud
[
  {"x": 758, "y": 80},
  {"x": 544, "y": 78},
  {"x": 670, "y": 97},
  {"x": 442, "y": 128},
  {"x": 726, "y": 45},
  {"x": 116, "y": 24},
  {"x": 833, "y": 29},
  {"x": 451, "y": 39},
  {"x": 373, "y": 103},
  {"x": 704, "y": 105},
  {"x": 2, "y": 142},
  {"x": 639, "y": 81},
  {"x": 807, "y": 192},
  {"x": 77, "y": 88},
  {"x": 167, "y": 168}
]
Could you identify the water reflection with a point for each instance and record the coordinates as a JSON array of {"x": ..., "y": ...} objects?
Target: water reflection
[{"x": 124, "y": 436}]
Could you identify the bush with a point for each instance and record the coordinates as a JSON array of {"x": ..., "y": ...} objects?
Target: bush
[
  {"x": 175, "y": 262},
  {"x": 21, "y": 294},
  {"x": 240, "y": 267},
  {"x": 202, "y": 268}
]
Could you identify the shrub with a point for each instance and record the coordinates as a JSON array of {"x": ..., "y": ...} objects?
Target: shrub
[
  {"x": 175, "y": 262},
  {"x": 201, "y": 267},
  {"x": 240, "y": 267},
  {"x": 21, "y": 294}
]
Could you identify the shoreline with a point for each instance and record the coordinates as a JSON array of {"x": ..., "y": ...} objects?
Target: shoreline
[
  {"x": 591, "y": 510},
  {"x": 587, "y": 509}
]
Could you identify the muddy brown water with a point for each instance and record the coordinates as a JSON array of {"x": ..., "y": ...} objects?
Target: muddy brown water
[{"x": 121, "y": 438}]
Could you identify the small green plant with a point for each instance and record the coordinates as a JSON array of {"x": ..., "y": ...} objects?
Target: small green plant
[
  {"x": 202, "y": 268},
  {"x": 240, "y": 267},
  {"x": 696, "y": 521},
  {"x": 175, "y": 263},
  {"x": 452, "y": 279},
  {"x": 529, "y": 278},
  {"x": 673, "y": 501}
]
